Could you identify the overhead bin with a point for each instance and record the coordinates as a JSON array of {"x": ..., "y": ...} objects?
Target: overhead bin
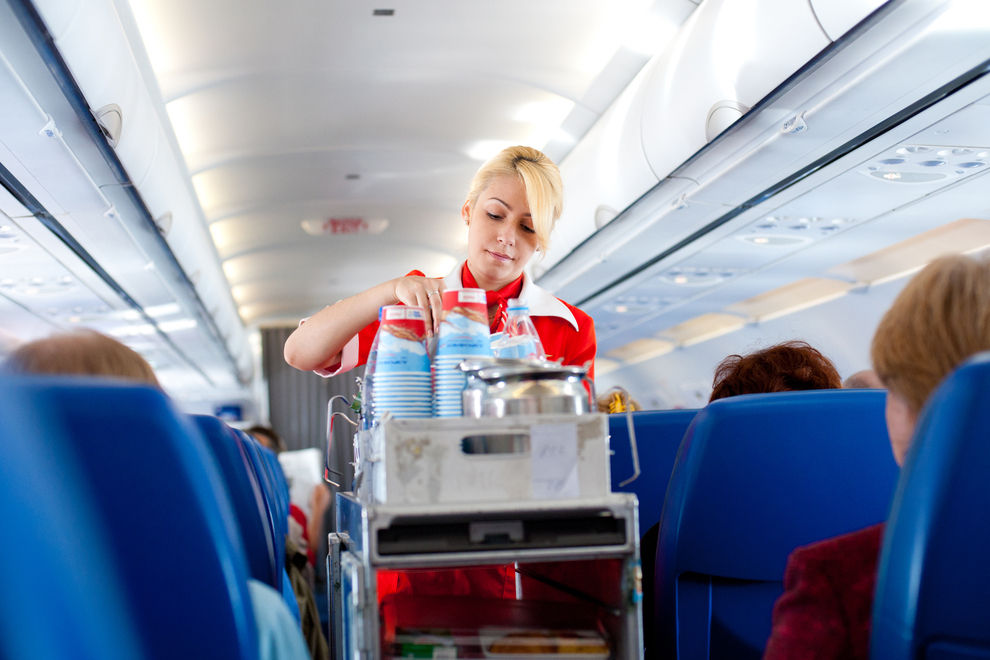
[
  {"x": 728, "y": 56},
  {"x": 889, "y": 67},
  {"x": 100, "y": 47},
  {"x": 838, "y": 16}
]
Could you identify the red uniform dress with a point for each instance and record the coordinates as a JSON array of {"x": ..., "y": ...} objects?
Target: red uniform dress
[
  {"x": 567, "y": 334},
  {"x": 827, "y": 604}
]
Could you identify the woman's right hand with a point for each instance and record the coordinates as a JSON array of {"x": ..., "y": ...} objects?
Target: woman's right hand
[{"x": 425, "y": 292}]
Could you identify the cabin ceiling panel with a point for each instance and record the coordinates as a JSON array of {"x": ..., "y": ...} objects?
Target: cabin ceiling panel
[
  {"x": 272, "y": 108},
  {"x": 301, "y": 177},
  {"x": 272, "y": 115},
  {"x": 279, "y": 227},
  {"x": 345, "y": 34}
]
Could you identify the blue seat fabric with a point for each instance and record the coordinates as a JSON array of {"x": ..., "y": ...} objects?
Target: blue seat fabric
[
  {"x": 56, "y": 564},
  {"x": 755, "y": 477},
  {"x": 246, "y": 496},
  {"x": 933, "y": 585},
  {"x": 658, "y": 435},
  {"x": 278, "y": 517},
  {"x": 158, "y": 493}
]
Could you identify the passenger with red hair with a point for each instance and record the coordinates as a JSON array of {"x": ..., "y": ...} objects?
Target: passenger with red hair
[{"x": 793, "y": 365}]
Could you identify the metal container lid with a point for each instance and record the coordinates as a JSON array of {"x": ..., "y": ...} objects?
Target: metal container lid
[{"x": 513, "y": 369}]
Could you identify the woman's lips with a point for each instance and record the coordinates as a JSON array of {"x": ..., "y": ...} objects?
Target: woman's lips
[{"x": 499, "y": 256}]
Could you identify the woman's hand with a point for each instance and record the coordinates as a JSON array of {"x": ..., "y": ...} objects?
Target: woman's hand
[{"x": 425, "y": 292}]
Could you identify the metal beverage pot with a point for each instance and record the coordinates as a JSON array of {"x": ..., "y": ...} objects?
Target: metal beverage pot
[{"x": 501, "y": 387}]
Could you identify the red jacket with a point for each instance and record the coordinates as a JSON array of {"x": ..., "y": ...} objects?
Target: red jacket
[{"x": 827, "y": 603}]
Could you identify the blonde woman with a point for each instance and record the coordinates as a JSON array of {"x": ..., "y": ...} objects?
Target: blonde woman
[{"x": 511, "y": 208}]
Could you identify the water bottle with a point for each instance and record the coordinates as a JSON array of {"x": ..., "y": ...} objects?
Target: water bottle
[
  {"x": 367, "y": 385},
  {"x": 521, "y": 339}
]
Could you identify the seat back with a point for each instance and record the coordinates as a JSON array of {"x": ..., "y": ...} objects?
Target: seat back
[
  {"x": 246, "y": 496},
  {"x": 933, "y": 586},
  {"x": 278, "y": 517},
  {"x": 755, "y": 477},
  {"x": 62, "y": 596},
  {"x": 658, "y": 435},
  {"x": 157, "y": 491}
]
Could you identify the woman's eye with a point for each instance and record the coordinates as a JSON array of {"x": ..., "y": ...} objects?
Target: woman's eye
[
  {"x": 528, "y": 229},
  {"x": 494, "y": 217}
]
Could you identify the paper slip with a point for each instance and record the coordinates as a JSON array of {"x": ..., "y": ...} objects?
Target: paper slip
[{"x": 555, "y": 460}]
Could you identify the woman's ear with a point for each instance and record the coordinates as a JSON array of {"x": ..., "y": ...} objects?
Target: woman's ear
[{"x": 466, "y": 213}]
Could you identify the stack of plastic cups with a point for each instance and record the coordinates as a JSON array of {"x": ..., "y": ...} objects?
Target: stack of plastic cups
[
  {"x": 402, "y": 371},
  {"x": 463, "y": 334}
]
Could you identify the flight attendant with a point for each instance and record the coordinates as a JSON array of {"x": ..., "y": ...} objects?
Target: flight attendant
[{"x": 511, "y": 208}]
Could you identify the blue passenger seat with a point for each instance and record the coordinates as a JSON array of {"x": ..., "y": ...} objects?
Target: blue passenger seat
[
  {"x": 755, "y": 477},
  {"x": 933, "y": 586},
  {"x": 246, "y": 496},
  {"x": 62, "y": 596},
  {"x": 275, "y": 491},
  {"x": 658, "y": 435},
  {"x": 169, "y": 524}
]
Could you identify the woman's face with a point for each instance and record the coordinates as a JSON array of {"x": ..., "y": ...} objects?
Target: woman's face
[
  {"x": 900, "y": 425},
  {"x": 501, "y": 238}
]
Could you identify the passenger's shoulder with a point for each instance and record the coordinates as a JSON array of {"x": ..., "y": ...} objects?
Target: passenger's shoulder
[{"x": 861, "y": 546}]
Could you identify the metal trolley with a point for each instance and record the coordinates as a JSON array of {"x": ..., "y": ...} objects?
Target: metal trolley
[{"x": 549, "y": 521}]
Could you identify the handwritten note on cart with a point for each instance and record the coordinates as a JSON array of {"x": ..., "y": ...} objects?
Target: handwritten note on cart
[{"x": 555, "y": 460}]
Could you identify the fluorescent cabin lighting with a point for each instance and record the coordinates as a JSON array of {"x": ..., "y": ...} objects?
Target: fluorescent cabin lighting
[
  {"x": 605, "y": 366},
  {"x": 790, "y": 298},
  {"x": 702, "y": 328},
  {"x": 641, "y": 350},
  {"x": 900, "y": 259}
]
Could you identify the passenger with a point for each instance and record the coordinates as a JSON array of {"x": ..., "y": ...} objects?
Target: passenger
[
  {"x": 792, "y": 365},
  {"x": 616, "y": 400},
  {"x": 940, "y": 318},
  {"x": 865, "y": 379},
  {"x": 89, "y": 353},
  {"x": 511, "y": 208},
  {"x": 81, "y": 353},
  {"x": 267, "y": 436}
]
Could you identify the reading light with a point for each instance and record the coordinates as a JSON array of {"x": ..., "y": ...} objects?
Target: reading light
[
  {"x": 920, "y": 163},
  {"x": 697, "y": 275}
]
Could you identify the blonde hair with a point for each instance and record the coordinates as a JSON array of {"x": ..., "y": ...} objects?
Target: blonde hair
[
  {"x": 940, "y": 318},
  {"x": 81, "y": 353},
  {"x": 541, "y": 178}
]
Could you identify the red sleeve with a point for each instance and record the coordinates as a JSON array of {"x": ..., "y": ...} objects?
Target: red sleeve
[
  {"x": 581, "y": 347},
  {"x": 807, "y": 618}
]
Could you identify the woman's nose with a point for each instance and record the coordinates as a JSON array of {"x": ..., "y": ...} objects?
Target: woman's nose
[{"x": 507, "y": 236}]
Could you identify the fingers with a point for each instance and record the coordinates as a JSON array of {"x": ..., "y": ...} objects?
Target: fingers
[
  {"x": 436, "y": 302},
  {"x": 424, "y": 293}
]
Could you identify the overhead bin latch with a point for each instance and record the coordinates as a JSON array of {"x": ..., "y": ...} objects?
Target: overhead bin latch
[{"x": 795, "y": 124}]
